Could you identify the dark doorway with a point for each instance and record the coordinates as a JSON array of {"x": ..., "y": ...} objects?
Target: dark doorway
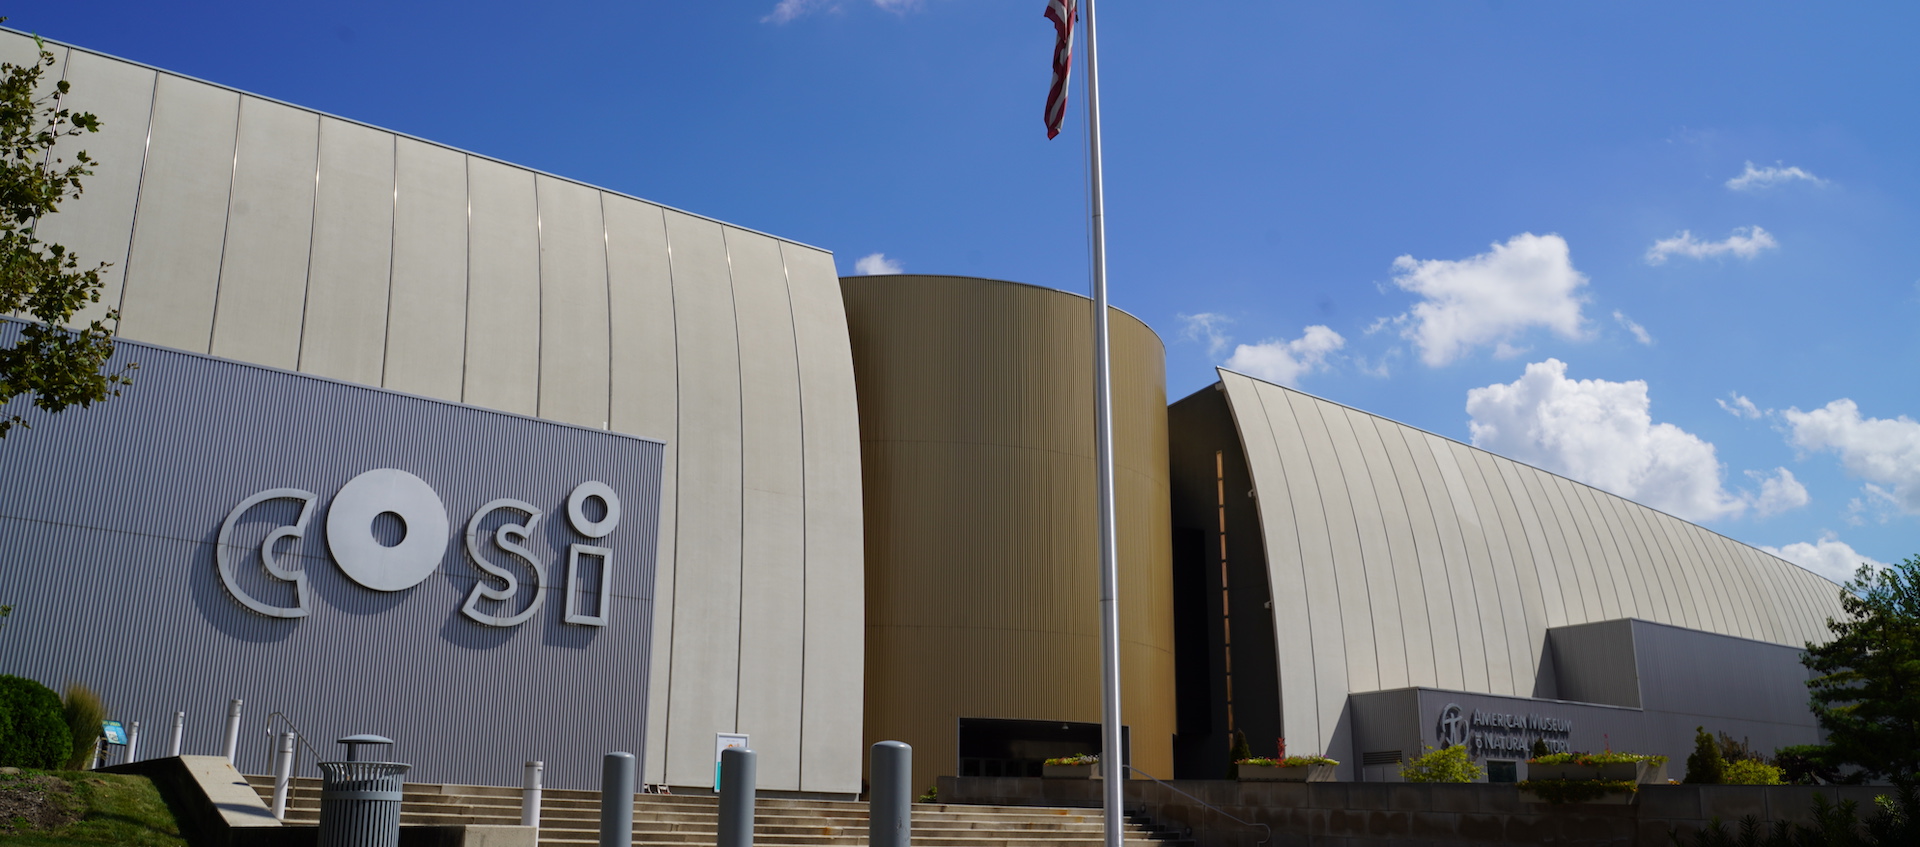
[{"x": 998, "y": 747}]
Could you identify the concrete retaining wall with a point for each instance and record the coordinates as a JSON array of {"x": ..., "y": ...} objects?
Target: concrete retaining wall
[{"x": 1352, "y": 814}]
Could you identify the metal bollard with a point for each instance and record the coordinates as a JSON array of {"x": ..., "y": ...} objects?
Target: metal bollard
[
  {"x": 179, "y": 730},
  {"x": 233, "y": 731},
  {"x": 890, "y": 806},
  {"x": 530, "y": 798},
  {"x": 360, "y": 801},
  {"x": 616, "y": 800},
  {"x": 282, "y": 775},
  {"x": 133, "y": 741},
  {"x": 737, "y": 781}
]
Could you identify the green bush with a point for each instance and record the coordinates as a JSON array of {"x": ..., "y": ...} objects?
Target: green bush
[
  {"x": 1752, "y": 772},
  {"x": 1447, "y": 764},
  {"x": 1238, "y": 752},
  {"x": 1577, "y": 790},
  {"x": 1705, "y": 766},
  {"x": 83, "y": 713},
  {"x": 32, "y": 732}
]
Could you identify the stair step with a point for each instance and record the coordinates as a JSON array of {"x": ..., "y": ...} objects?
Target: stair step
[{"x": 571, "y": 818}]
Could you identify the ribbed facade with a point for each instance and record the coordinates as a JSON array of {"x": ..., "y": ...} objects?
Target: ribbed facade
[
  {"x": 261, "y": 232},
  {"x": 109, "y": 520},
  {"x": 1398, "y": 558},
  {"x": 983, "y": 582}
]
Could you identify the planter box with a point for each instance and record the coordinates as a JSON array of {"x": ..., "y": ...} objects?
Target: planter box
[
  {"x": 1302, "y": 773},
  {"x": 1070, "y": 771},
  {"x": 1645, "y": 773}
]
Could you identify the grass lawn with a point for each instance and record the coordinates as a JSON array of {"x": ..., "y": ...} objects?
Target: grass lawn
[{"x": 61, "y": 808}]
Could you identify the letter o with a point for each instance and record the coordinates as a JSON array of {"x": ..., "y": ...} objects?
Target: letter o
[{"x": 350, "y": 529}]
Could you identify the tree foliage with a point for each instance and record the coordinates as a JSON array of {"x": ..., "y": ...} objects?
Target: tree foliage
[
  {"x": 1447, "y": 764},
  {"x": 1705, "y": 766},
  {"x": 56, "y": 366},
  {"x": 1866, "y": 685}
]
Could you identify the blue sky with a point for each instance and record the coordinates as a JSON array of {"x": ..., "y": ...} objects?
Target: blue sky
[{"x": 1529, "y": 226}]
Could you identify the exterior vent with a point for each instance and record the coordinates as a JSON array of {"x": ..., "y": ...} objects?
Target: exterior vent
[{"x": 1380, "y": 757}]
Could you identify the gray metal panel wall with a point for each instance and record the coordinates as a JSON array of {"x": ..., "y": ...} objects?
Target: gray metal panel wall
[
  {"x": 109, "y": 517},
  {"x": 1594, "y": 663},
  {"x": 433, "y": 271},
  {"x": 1719, "y": 675},
  {"x": 1482, "y": 554}
]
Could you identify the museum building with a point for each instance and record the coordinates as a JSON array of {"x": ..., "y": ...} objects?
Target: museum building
[{"x": 509, "y": 467}]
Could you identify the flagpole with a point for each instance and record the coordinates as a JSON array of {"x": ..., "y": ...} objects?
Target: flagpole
[{"x": 1112, "y": 754}]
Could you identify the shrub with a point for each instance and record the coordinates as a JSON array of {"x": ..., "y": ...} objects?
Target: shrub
[
  {"x": 83, "y": 713},
  {"x": 1577, "y": 790},
  {"x": 1239, "y": 752},
  {"x": 1607, "y": 758},
  {"x": 1288, "y": 762},
  {"x": 1447, "y": 764},
  {"x": 1076, "y": 759},
  {"x": 1752, "y": 772},
  {"x": 1705, "y": 766},
  {"x": 32, "y": 733}
]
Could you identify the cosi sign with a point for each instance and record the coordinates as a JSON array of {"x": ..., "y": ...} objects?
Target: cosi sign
[{"x": 424, "y": 532}]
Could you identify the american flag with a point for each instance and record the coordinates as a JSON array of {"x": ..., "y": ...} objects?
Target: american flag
[{"x": 1063, "y": 13}]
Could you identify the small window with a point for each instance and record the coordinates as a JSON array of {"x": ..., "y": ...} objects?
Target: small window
[{"x": 1499, "y": 771}]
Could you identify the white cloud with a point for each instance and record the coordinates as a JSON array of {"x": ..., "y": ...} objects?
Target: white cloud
[
  {"x": 1282, "y": 361},
  {"x": 787, "y": 10},
  {"x": 1829, "y": 557},
  {"x": 1755, "y": 179},
  {"x": 1745, "y": 242},
  {"x": 1884, "y": 452},
  {"x": 1206, "y": 326},
  {"x": 1741, "y": 407},
  {"x": 1490, "y": 298},
  {"x": 1639, "y": 332},
  {"x": 1779, "y": 492},
  {"x": 876, "y": 263},
  {"x": 1601, "y": 433}
]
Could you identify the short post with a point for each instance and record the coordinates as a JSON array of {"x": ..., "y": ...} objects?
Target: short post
[
  {"x": 179, "y": 730},
  {"x": 99, "y": 759},
  {"x": 616, "y": 800},
  {"x": 736, "y": 797},
  {"x": 890, "y": 806},
  {"x": 232, "y": 750},
  {"x": 282, "y": 775},
  {"x": 133, "y": 741},
  {"x": 530, "y": 797}
]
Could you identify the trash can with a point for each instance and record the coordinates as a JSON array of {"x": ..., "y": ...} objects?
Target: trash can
[{"x": 360, "y": 801}]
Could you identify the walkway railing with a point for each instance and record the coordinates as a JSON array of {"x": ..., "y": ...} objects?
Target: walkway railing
[{"x": 1209, "y": 806}]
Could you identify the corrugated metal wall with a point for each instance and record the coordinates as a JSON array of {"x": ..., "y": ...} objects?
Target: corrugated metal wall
[
  {"x": 109, "y": 518},
  {"x": 263, "y": 232},
  {"x": 1399, "y": 558},
  {"x": 976, "y": 413}
]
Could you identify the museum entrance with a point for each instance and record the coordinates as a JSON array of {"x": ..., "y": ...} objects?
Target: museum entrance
[{"x": 999, "y": 747}]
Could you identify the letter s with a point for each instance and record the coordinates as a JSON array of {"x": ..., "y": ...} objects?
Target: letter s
[{"x": 504, "y": 538}]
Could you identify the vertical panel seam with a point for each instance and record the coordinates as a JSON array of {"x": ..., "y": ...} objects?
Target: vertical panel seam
[
  {"x": 313, "y": 226},
  {"x": 466, "y": 316},
  {"x": 139, "y": 192},
  {"x": 606, "y": 273},
  {"x": 226, "y": 224},
  {"x": 1392, "y": 571},
  {"x": 540, "y": 300},
  {"x": 806, "y": 506},
  {"x": 740, "y": 583},
  {"x": 673, "y": 300},
  {"x": 1419, "y": 572},
  {"x": 393, "y": 247},
  {"x": 1353, "y": 512}
]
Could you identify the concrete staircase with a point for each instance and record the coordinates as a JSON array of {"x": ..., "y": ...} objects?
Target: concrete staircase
[{"x": 572, "y": 818}]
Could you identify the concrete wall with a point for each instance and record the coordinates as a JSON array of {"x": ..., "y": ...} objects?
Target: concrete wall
[
  {"x": 262, "y": 232},
  {"x": 1397, "y": 558},
  {"x": 1411, "y": 815},
  {"x": 983, "y": 598}
]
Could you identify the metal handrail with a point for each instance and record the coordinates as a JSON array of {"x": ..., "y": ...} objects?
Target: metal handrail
[
  {"x": 297, "y": 734},
  {"x": 1216, "y": 809}
]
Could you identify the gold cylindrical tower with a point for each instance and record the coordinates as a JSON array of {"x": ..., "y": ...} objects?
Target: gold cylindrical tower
[{"x": 982, "y": 544}]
